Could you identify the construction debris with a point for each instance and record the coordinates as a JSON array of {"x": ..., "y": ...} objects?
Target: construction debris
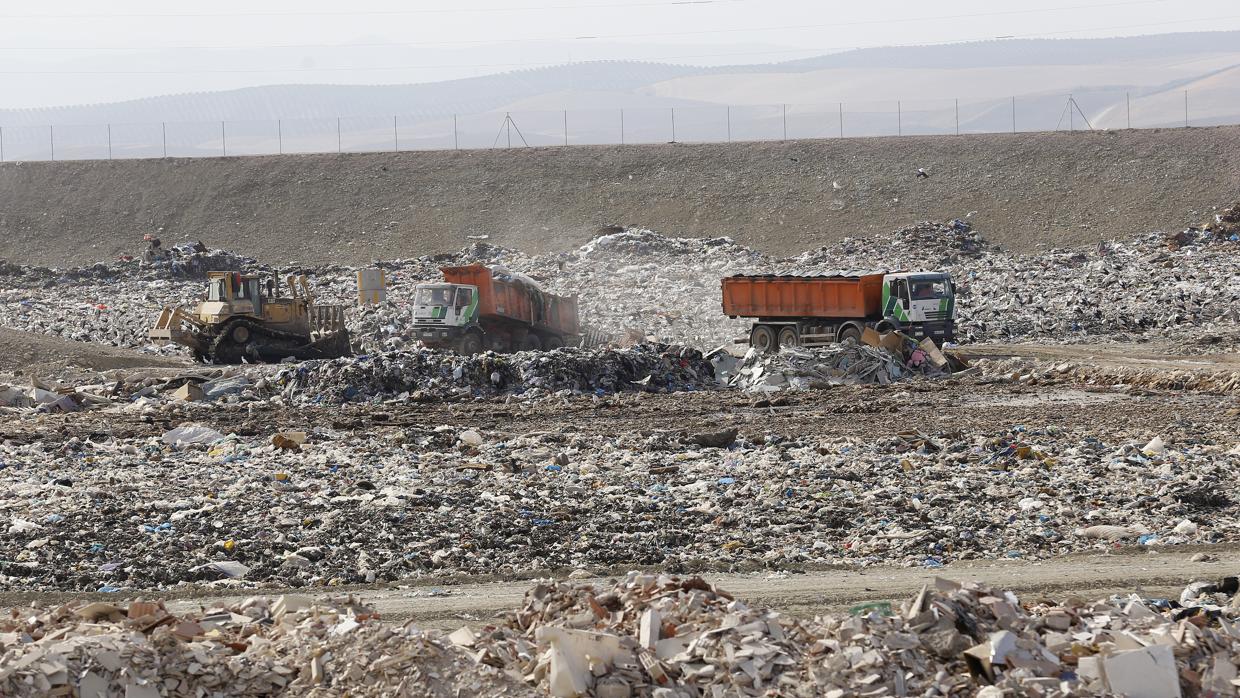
[{"x": 645, "y": 635}]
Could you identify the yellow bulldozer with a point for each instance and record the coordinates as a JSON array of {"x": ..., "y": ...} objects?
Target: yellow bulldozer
[{"x": 243, "y": 318}]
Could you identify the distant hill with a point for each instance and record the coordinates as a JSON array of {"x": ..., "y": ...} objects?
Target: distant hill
[{"x": 989, "y": 86}]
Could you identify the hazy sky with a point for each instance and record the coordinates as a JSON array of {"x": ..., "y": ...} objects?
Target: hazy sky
[{"x": 59, "y": 52}]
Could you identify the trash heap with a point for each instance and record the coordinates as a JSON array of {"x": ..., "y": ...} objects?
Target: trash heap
[
  {"x": 648, "y": 633},
  {"x": 890, "y": 358},
  {"x": 287, "y": 646},
  {"x": 654, "y": 635},
  {"x": 425, "y": 373},
  {"x": 130, "y": 504},
  {"x": 636, "y": 285},
  {"x": 643, "y": 636}
]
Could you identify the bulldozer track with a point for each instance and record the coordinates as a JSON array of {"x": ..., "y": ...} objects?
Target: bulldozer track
[{"x": 219, "y": 348}]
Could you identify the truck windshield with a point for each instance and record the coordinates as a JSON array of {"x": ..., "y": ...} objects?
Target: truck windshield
[
  {"x": 215, "y": 291},
  {"x": 925, "y": 289},
  {"x": 434, "y": 296}
]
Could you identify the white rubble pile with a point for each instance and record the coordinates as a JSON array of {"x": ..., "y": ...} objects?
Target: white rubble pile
[
  {"x": 645, "y": 636},
  {"x": 286, "y": 646}
]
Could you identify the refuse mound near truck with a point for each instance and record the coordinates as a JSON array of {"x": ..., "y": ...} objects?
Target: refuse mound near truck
[
  {"x": 652, "y": 287},
  {"x": 647, "y": 636},
  {"x": 889, "y": 358},
  {"x": 426, "y": 374}
]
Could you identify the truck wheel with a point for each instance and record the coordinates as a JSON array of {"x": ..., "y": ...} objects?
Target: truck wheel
[
  {"x": 789, "y": 337},
  {"x": 849, "y": 332},
  {"x": 762, "y": 338},
  {"x": 553, "y": 342},
  {"x": 241, "y": 334},
  {"x": 531, "y": 343},
  {"x": 470, "y": 344}
]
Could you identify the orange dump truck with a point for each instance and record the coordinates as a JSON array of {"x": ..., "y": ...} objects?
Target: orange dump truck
[
  {"x": 479, "y": 307},
  {"x": 817, "y": 310}
]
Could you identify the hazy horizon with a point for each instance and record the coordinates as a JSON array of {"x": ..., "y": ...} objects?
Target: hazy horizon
[{"x": 68, "y": 52}]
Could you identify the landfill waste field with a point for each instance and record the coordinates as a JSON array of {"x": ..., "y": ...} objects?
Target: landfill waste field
[{"x": 175, "y": 527}]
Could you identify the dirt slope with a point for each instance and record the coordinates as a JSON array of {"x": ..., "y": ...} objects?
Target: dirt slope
[
  {"x": 40, "y": 354},
  {"x": 1027, "y": 190}
]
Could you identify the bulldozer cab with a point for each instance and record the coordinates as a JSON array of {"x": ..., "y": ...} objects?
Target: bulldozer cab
[{"x": 232, "y": 293}]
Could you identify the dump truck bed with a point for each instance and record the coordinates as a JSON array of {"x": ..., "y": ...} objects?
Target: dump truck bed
[
  {"x": 516, "y": 300},
  {"x": 857, "y": 296}
]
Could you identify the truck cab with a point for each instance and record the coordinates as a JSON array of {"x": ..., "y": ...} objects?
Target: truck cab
[
  {"x": 440, "y": 311},
  {"x": 922, "y": 300}
]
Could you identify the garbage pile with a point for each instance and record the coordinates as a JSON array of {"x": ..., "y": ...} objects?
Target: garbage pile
[
  {"x": 645, "y": 635},
  {"x": 654, "y": 635},
  {"x": 648, "y": 635},
  {"x": 428, "y": 373},
  {"x": 639, "y": 286},
  {"x": 1140, "y": 287},
  {"x": 898, "y": 359},
  {"x": 286, "y": 646},
  {"x": 159, "y": 500}
]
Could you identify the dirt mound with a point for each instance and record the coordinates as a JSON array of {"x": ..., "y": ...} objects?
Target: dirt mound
[
  {"x": 23, "y": 351},
  {"x": 1025, "y": 190}
]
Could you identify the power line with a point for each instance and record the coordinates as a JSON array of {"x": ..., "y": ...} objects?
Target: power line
[
  {"x": 815, "y": 51},
  {"x": 695, "y": 32}
]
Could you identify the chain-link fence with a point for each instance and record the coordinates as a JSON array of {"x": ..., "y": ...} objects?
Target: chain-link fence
[{"x": 1113, "y": 109}]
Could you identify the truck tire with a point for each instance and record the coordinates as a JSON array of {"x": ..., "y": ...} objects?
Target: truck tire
[
  {"x": 762, "y": 338},
  {"x": 553, "y": 342},
  {"x": 848, "y": 332},
  {"x": 789, "y": 337},
  {"x": 470, "y": 344},
  {"x": 531, "y": 343}
]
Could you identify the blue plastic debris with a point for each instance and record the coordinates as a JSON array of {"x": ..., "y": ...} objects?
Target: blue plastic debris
[
  {"x": 727, "y": 480},
  {"x": 932, "y": 562}
]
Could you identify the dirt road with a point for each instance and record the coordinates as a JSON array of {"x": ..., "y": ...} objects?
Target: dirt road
[{"x": 1161, "y": 574}]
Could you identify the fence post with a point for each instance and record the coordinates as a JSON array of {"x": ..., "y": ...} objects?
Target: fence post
[
  {"x": 456, "y": 140},
  {"x": 1, "y": 144},
  {"x": 957, "y": 116},
  {"x": 109, "y": 141},
  {"x": 223, "y": 139},
  {"x": 673, "y": 124},
  {"x": 729, "y": 112},
  {"x": 1185, "y": 108},
  {"x": 395, "y": 134},
  {"x": 899, "y": 119},
  {"x": 622, "y": 127},
  {"x": 1128, "y": 107},
  {"x": 785, "y": 121},
  {"x": 280, "y": 135},
  {"x": 339, "y": 149},
  {"x": 841, "y": 119},
  {"x": 51, "y": 139},
  {"x": 1071, "y": 114},
  {"x": 566, "y": 127},
  {"x": 163, "y": 130},
  {"x": 1013, "y": 114}
]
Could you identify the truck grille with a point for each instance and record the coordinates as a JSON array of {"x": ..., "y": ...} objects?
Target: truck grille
[{"x": 935, "y": 315}]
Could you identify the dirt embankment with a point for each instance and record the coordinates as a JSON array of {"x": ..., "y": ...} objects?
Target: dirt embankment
[{"x": 1023, "y": 191}]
